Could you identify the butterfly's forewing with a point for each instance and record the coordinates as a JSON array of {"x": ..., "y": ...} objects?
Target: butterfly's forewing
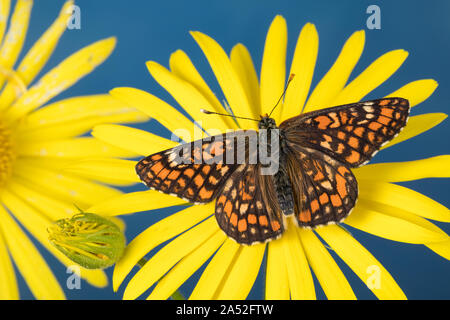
[
  {"x": 351, "y": 133},
  {"x": 194, "y": 171},
  {"x": 247, "y": 208},
  {"x": 325, "y": 190}
]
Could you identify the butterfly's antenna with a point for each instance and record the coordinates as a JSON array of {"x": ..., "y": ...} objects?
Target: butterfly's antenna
[
  {"x": 284, "y": 92},
  {"x": 226, "y": 115}
]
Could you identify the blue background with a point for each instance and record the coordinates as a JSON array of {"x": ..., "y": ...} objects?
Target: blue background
[{"x": 152, "y": 30}]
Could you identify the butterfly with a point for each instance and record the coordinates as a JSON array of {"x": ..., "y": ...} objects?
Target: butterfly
[{"x": 314, "y": 183}]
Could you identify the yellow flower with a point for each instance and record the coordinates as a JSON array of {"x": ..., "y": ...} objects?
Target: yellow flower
[
  {"x": 37, "y": 142},
  {"x": 384, "y": 209}
]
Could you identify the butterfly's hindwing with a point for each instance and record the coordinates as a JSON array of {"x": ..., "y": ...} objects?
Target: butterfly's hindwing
[
  {"x": 244, "y": 211},
  {"x": 350, "y": 133},
  {"x": 325, "y": 191}
]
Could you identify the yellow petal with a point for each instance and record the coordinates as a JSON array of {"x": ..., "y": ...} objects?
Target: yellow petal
[
  {"x": 72, "y": 148},
  {"x": 136, "y": 202},
  {"x": 62, "y": 76},
  {"x": 38, "y": 55},
  {"x": 403, "y": 198},
  {"x": 157, "y": 234},
  {"x": 441, "y": 248},
  {"x": 336, "y": 78},
  {"x": 434, "y": 167},
  {"x": 212, "y": 277},
  {"x": 50, "y": 207},
  {"x": 76, "y": 108},
  {"x": 416, "y": 91},
  {"x": 277, "y": 283},
  {"x": 366, "y": 267},
  {"x": 273, "y": 68},
  {"x": 187, "y": 96},
  {"x": 303, "y": 65},
  {"x": 243, "y": 66},
  {"x": 417, "y": 125},
  {"x": 331, "y": 278},
  {"x": 28, "y": 260},
  {"x": 4, "y": 13},
  {"x": 159, "y": 110},
  {"x": 182, "y": 66},
  {"x": 111, "y": 171},
  {"x": 242, "y": 275},
  {"x": 8, "y": 284},
  {"x": 300, "y": 279},
  {"x": 137, "y": 141},
  {"x": 15, "y": 37},
  {"x": 71, "y": 129},
  {"x": 226, "y": 76},
  {"x": 168, "y": 256},
  {"x": 186, "y": 267},
  {"x": 37, "y": 225},
  {"x": 64, "y": 186},
  {"x": 378, "y": 72},
  {"x": 393, "y": 223}
]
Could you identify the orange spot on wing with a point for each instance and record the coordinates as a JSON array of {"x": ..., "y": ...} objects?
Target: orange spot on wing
[
  {"x": 221, "y": 199},
  {"x": 375, "y": 126},
  {"x": 205, "y": 193},
  {"x": 246, "y": 196},
  {"x": 384, "y": 120},
  {"x": 174, "y": 175},
  {"x": 353, "y": 157},
  {"x": 336, "y": 200},
  {"x": 343, "y": 170},
  {"x": 344, "y": 117},
  {"x": 341, "y": 135},
  {"x": 388, "y": 112},
  {"x": 263, "y": 221},
  {"x": 323, "y": 198},
  {"x": 228, "y": 208},
  {"x": 315, "y": 205},
  {"x": 157, "y": 167},
  {"x": 242, "y": 225},
  {"x": 156, "y": 157},
  {"x": 234, "y": 219},
  {"x": 341, "y": 186},
  {"x": 163, "y": 174},
  {"x": 198, "y": 180},
  {"x": 323, "y": 121},
  {"x": 189, "y": 172},
  {"x": 206, "y": 169},
  {"x": 305, "y": 216},
  {"x": 371, "y": 137},
  {"x": 353, "y": 142},
  {"x": 275, "y": 225},
  {"x": 251, "y": 218},
  {"x": 182, "y": 182},
  {"x": 212, "y": 180},
  {"x": 319, "y": 176},
  {"x": 384, "y": 102},
  {"x": 359, "y": 131}
]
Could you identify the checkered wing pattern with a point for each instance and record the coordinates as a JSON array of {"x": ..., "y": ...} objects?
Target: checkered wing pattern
[
  {"x": 247, "y": 209},
  {"x": 350, "y": 133},
  {"x": 193, "y": 171},
  {"x": 325, "y": 190}
]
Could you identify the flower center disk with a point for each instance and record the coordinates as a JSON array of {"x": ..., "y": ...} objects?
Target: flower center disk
[{"x": 7, "y": 154}]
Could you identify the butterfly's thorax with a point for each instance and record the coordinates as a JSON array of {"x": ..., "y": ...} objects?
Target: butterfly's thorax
[{"x": 283, "y": 186}]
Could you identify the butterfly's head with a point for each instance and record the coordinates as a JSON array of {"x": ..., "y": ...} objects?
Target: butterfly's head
[{"x": 267, "y": 123}]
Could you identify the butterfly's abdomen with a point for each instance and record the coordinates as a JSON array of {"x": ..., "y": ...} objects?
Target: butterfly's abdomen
[{"x": 283, "y": 187}]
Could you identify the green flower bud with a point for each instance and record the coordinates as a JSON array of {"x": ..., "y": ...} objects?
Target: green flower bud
[{"x": 90, "y": 240}]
